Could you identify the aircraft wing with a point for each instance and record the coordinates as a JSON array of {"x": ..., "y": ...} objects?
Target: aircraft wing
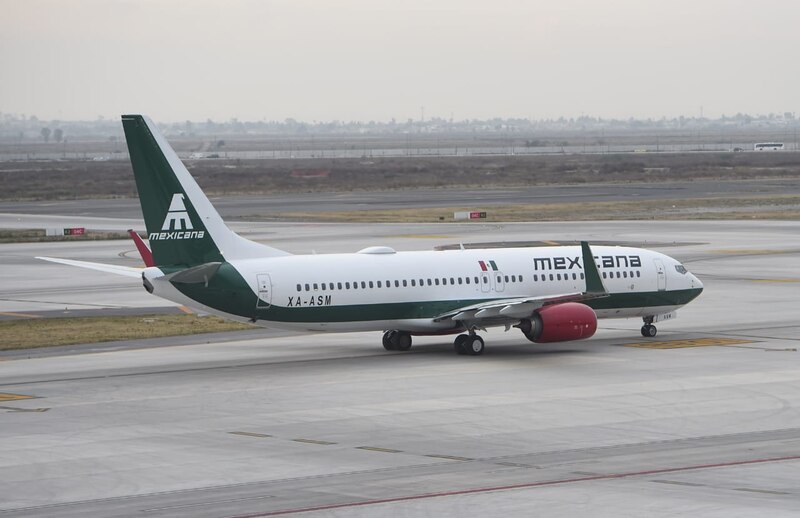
[
  {"x": 126, "y": 271},
  {"x": 523, "y": 307},
  {"x": 513, "y": 309}
]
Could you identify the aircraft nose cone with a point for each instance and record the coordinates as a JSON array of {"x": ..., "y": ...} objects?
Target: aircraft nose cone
[{"x": 696, "y": 283}]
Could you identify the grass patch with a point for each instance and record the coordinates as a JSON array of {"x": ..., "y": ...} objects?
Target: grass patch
[
  {"x": 38, "y": 236},
  {"x": 47, "y": 332},
  {"x": 775, "y": 207}
]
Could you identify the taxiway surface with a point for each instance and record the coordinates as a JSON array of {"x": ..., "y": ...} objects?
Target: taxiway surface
[{"x": 703, "y": 420}]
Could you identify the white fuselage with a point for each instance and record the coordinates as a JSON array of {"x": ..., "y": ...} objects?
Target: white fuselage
[{"x": 379, "y": 289}]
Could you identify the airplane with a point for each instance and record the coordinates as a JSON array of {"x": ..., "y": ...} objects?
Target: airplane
[{"x": 551, "y": 294}]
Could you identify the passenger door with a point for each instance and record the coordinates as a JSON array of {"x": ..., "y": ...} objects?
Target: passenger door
[
  {"x": 264, "y": 290},
  {"x": 661, "y": 275}
]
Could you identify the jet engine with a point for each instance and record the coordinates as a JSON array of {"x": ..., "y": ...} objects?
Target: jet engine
[{"x": 560, "y": 323}]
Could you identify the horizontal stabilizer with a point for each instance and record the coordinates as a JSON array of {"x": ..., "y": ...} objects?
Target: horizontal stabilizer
[{"x": 126, "y": 271}]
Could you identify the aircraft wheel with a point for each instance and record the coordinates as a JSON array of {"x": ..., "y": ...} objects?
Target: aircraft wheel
[
  {"x": 388, "y": 340},
  {"x": 460, "y": 344},
  {"x": 649, "y": 331},
  {"x": 402, "y": 341},
  {"x": 475, "y": 345}
]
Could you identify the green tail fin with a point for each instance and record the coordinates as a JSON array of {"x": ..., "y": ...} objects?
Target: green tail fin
[{"x": 183, "y": 227}]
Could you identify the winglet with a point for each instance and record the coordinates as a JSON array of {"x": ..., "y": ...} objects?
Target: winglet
[
  {"x": 147, "y": 255},
  {"x": 593, "y": 282}
]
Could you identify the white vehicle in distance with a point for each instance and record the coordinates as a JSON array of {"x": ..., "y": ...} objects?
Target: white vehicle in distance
[{"x": 768, "y": 146}]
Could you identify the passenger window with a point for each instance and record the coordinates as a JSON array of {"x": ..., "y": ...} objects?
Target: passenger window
[
  {"x": 520, "y": 278},
  {"x": 638, "y": 274},
  {"x": 308, "y": 288},
  {"x": 299, "y": 288},
  {"x": 405, "y": 283},
  {"x": 431, "y": 282},
  {"x": 551, "y": 276},
  {"x": 339, "y": 285},
  {"x": 625, "y": 274},
  {"x": 413, "y": 283},
  {"x": 604, "y": 275},
  {"x": 581, "y": 276},
  {"x": 379, "y": 284},
  {"x": 466, "y": 279},
  {"x": 452, "y": 281},
  {"x": 347, "y": 285},
  {"x": 437, "y": 281},
  {"x": 323, "y": 286},
  {"x": 370, "y": 284},
  {"x": 618, "y": 275},
  {"x": 506, "y": 278},
  {"x": 460, "y": 281},
  {"x": 535, "y": 277},
  {"x": 363, "y": 285}
]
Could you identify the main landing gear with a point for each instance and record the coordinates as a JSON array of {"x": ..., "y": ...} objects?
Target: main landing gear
[
  {"x": 470, "y": 344},
  {"x": 648, "y": 329},
  {"x": 467, "y": 344},
  {"x": 396, "y": 341}
]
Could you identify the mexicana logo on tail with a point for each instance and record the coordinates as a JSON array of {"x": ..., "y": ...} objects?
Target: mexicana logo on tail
[
  {"x": 177, "y": 221},
  {"x": 177, "y": 215}
]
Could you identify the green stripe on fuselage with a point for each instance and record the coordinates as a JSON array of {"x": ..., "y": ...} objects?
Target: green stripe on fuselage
[{"x": 227, "y": 291}]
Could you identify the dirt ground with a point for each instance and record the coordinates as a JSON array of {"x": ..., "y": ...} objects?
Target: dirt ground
[{"x": 46, "y": 180}]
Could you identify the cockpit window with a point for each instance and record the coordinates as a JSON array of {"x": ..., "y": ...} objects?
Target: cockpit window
[{"x": 681, "y": 269}]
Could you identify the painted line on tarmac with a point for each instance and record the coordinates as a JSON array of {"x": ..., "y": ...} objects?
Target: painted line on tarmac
[
  {"x": 18, "y": 315},
  {"x": 609, "y": 476},
  {"x": 376, "y": 448},
  {"x": 250, "y": 434},
  {"x": 314, "y": 441},
  {"x": 448, "y": 457},
  {"x": 698, "y": 342},
  {"x": 7, "y": 396}
]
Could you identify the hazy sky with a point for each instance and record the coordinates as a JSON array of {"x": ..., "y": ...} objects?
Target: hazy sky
[{"x": 375, "y": 60}]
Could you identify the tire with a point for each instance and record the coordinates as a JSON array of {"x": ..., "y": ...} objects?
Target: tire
[
  {"x": 388, "y": 340},
  {"x": 475, "y": 346},
  {"x": 649, "y": 331},
  {"x": 402, "y": 341},
  {"x": 459, "y": 344}
]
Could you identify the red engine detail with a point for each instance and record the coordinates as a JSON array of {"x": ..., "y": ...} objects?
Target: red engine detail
[{"x": 562, "y": 323}]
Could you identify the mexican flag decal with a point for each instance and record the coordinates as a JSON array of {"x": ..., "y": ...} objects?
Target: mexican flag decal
[{"x": 485, "y": 267}]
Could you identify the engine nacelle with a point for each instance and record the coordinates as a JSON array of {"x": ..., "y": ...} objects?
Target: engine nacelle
[{"x": 560, "y": 323}]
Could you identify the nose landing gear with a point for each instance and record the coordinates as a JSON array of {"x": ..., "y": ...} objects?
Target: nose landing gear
[{"x": 648, "y": 329}]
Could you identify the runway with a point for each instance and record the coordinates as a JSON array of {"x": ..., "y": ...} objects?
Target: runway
[{"x": 704, "y": 421}]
